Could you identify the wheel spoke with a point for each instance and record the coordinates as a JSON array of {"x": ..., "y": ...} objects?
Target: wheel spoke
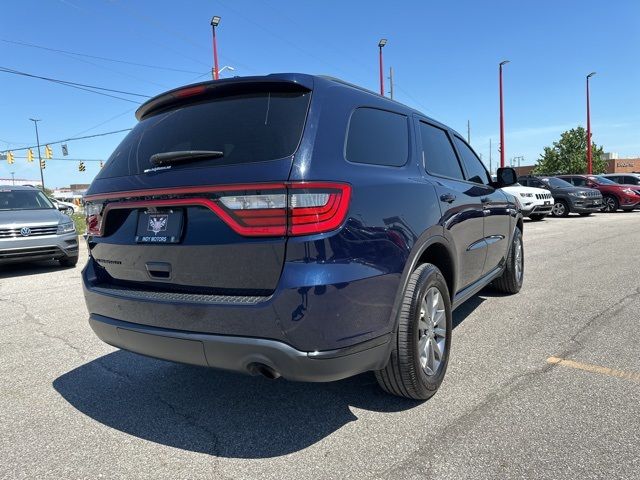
[
  {"x": 431, "y": 359},
  {"x": 436, "y": 349},
  {"x": 439, "y": 318},
  {"x": 422, "y": 349},
  {"x": 440, "y": 332}
]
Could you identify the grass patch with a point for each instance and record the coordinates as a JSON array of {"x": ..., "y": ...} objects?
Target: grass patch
[{"x": 81, "y": 224}]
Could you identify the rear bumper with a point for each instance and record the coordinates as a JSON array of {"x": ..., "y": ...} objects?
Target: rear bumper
[{"x": 243, "y": 354}]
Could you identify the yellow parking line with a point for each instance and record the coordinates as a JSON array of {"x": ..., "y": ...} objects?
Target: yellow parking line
[{"x": 587, "y": 367}]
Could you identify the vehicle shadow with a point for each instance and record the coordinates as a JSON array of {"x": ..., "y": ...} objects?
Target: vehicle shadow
[
  {"x": 214, "y": 412},
  {"x": 12, "y": 270}
]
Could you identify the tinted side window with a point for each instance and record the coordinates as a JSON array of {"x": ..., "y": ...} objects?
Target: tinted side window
[
  {"x": 631, "y": 180},
  {"x": 475, "y": 168},
  {"x": 438, "y": 154},
  {"x": 378, "y": 137}
]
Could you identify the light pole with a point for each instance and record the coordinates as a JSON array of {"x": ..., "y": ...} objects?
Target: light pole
[
  {"x": 381, "y": 44},
  {"x": 214, "y": 23},
  {"x": 589, "y": 163},
  {"x": 226, "y": 67},
  {"x": 35, "y": 122},
  {"x": 504, "y": 62}
]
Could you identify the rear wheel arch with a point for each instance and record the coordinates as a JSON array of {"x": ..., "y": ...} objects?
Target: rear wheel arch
[{"x": 436, "y": 250}]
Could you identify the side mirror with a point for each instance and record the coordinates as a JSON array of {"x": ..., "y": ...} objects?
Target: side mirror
[{"x": 506, "y": 176}]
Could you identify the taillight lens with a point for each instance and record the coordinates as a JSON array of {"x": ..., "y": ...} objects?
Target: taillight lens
[
  {"x": 93, "y": 213},
  {"x": 302, "y": 209},
  {"x": 264, "y": 210}
]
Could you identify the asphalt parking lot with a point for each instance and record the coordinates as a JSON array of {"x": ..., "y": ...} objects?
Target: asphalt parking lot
[{"x": 544, "y": 384}]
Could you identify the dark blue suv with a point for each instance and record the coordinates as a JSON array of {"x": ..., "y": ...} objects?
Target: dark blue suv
[{"x": 297, "y": 226}]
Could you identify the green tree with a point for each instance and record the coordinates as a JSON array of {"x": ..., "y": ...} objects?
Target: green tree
[{"x": 569, "y": 155}]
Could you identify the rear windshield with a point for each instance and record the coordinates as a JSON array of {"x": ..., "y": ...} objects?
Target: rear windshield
[
  {"x": 24, "y": 200},
  {"x": 251, "y": 127}
]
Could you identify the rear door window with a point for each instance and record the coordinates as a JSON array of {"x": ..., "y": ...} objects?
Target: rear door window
[
  {"x": 476, "y": 171},
  {"x": 377, "y": 137},
  {"x": 438, "y": 155},
  {"x": 249, "y": 127}
]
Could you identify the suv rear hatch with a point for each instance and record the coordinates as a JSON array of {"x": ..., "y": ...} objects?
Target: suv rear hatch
[{"x": 205, "y": 223}]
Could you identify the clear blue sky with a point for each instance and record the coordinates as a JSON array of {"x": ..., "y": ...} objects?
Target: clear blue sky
[{"x": 445, "y": 57}]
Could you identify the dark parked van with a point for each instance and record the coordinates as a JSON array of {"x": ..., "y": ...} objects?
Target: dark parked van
[{"x": 297, "y": 226}]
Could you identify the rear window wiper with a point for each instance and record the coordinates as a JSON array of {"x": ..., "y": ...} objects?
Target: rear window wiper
[{"x": 185, "y": 156}]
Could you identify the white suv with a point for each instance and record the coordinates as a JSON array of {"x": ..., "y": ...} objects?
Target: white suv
[{"x": 536, "y": 202}]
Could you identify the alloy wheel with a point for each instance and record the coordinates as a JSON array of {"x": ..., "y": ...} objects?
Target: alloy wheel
[
  {"x": 432, "y": 331},
  {"x": 558, "y": 209},
  {"x": 519, "y": 259},
  {"x": 609, "y": 204}
]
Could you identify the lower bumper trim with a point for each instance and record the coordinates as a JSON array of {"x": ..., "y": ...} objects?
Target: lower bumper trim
[{"x": 241, "y": 354}]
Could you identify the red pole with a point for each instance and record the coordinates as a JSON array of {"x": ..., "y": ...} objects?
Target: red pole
[
  {"x": 589, "y": 164},
  {"x": 381, "y": 74},
  {"x": 215, "y": 55},
  {"x": 501, "y": 118}
]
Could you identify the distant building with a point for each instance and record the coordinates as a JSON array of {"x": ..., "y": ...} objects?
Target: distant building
[
  {"x": 623, "y": 165},
  {"x": 20, "y": 181},
  {"x": 614, "y": 164}
]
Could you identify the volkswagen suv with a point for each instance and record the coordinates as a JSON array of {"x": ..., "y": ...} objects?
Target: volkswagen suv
[
  {"x": 297, "y": 226},
  {"x": 32, "y": 228}
]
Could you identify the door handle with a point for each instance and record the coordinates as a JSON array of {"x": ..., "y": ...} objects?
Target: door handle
[{"x": 448, "y": 197}]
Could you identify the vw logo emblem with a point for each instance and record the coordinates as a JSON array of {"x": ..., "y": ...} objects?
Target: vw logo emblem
[{"x": 25, "y": 231}]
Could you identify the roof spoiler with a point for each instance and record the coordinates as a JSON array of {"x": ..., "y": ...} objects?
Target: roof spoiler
[{"x": 224, "y": 87}]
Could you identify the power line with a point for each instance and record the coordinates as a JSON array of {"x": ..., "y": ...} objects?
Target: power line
[
  {"x": 97, "y": 57},
  {"x": 69, "y": 159},
  {"x": 69, "y": 140},
  {"x": 79, "y": 86}
]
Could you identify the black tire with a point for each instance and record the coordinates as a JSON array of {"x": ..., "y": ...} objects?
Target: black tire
[
  {"x": 560, "y": 209},
  {"x": 627, "y": 209},
  {"x": 536, "y": 217},
  {"x": 610, "y": 204},
  {"x": 68, "y": 261},
  {"x": 586, "y": 214},
  {"x": 404, "y": 375},
  {"x": 510, "y": 281}
]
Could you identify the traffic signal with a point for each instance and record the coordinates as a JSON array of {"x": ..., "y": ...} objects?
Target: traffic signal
[
  {"x": 10, "y": 158},
  {"x": 43, "y": 164},
  {"x": 48, "y": 153},
  {"x": 29, "y": 155},
  {"x": 81, "y": 167},
  {"x": 101, "y": 164}
]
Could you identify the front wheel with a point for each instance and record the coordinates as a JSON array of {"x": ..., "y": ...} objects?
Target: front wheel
[
  {"x": 560, "y": 209},
  {"x": 610, "y": 204},
  {"x": 420, "y": 355},
  {"x": 511, "y": 279}
]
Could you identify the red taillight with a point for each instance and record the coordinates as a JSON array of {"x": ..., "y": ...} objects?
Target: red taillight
[
  {"x": 258, "y": 210},
  {"x": 317, "y": 207},
  {"x": 301, "y": 209},
  {"x": 93, "y": 214}
]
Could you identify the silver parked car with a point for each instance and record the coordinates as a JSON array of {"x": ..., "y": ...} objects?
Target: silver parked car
[{"x": 32, "y": 228}]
